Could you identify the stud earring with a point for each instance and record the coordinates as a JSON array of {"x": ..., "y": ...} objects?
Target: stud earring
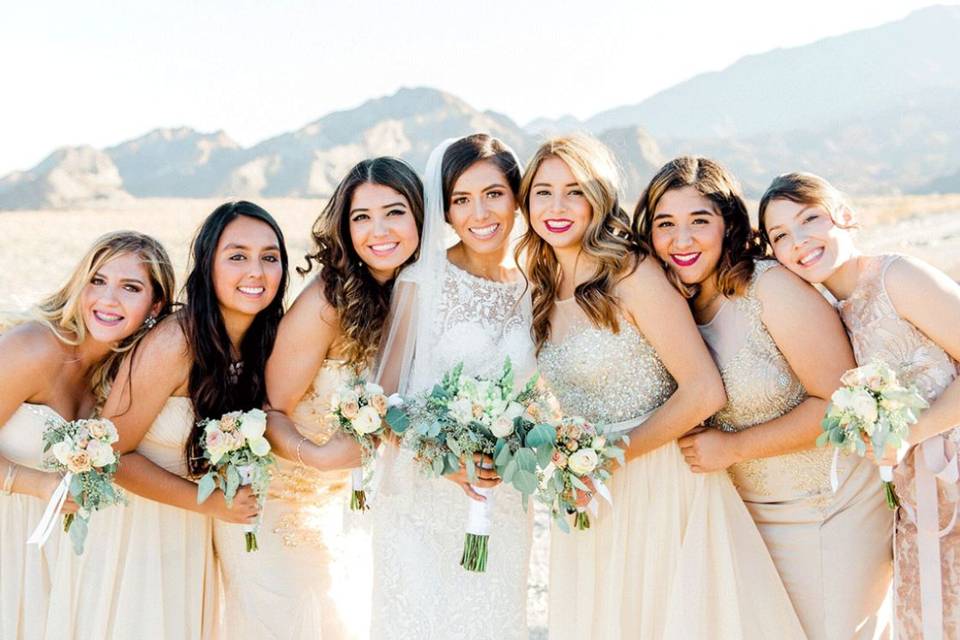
[{"x": 150, "y": 322}]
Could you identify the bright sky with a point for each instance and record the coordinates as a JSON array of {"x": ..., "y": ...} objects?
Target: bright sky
[{"x": 100, "y": 72}]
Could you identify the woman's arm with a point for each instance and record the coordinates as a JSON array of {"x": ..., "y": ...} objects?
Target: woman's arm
[
  {"x": 304, "y": 338},
  {"x": 811, "y": 338},
  {"x": 664, "y": 319},
  {"x": 930, "y": 301},
  {"x": 148, "y": 377}
]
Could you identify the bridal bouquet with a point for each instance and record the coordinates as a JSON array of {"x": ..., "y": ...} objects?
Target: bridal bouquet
[
  {"x": 82, "y": 450},
  {"x": 582, "y": 453},
  {"x": 360, "y": 409},
  {"x": 239, "y": 456},
  {"x": 464, "y": 416},
  {"x": 871, "y": 405}
]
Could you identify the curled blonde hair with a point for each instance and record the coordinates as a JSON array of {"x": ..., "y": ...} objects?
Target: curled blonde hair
[
  {"x": 61, "y": 311},
  {"x": 607, "y": 240},
  {"x": 802, "y": 188}
]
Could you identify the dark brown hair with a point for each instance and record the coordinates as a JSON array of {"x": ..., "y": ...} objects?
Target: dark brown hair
[
  {"x": 467, "y": 151},
  {"x": 361, "y": 301},
  {"x": 741, "y": 246}
]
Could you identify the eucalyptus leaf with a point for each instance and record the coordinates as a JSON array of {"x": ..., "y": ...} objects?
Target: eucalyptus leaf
[
  {"x": 233, "y": 483},
  {"x": 509, "y": 471},
  {"x": 526, "y": 459},
  {"x": 541, "y": 435},
  {"x": 562, "y": 523},
  {"x": 525, "y": 481},
  {"x": 205, "y": 487},
  {"x": 397, "y": 419}
]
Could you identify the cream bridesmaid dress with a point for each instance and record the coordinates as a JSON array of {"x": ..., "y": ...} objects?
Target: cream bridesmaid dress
[
  {"x": 310, "y": 576},
  {"x": 677, "y": 555},
  {"x": 927, "y": 541},
  {"x": 832, "y": 549},
  {"x": 24, "y": 569},
  {"x": 148, "y": 570}
]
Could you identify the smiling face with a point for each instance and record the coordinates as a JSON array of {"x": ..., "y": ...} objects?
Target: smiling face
[
  {"x": 687, "y": 234},
  {"x": 383, "y": 230},
  {"x": 559, "y": 210},
  {"x": 806, "y": 240},
  {"x": 117, "y": 299},
  {"x": 247, "y": 267},
  {"x": 482, "y": 208}
]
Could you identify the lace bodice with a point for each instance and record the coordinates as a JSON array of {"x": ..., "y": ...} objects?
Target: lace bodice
[
  {"x": 478, "y": 322},
  {"x": 602, "y": 376},
  {"x": 760, "y": 387},
  {"x": 878, "y": 332}
]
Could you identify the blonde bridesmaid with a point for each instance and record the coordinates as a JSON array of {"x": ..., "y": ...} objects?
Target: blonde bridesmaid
[
  {"x": 59, "y": 367},
  {"x": 310, "y": 577},
  {"x": 781, "y": 350},
  {"x": 905, "y": 313}
]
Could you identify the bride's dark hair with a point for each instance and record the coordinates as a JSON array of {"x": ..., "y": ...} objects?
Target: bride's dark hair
[
  {"x": 211, "y": 389},
  {"x": 467, "y": 151}
]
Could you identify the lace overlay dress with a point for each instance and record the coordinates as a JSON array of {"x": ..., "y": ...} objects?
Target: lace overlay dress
[
  {"x": 420, "y": 590},
  {"x": 309, "y": 578},
  {"x": 878, "y": 332},
  {"x": 831, "y": 550},
  {"x": 677, "y": 554},
  {"x": 24, "y": 569}
]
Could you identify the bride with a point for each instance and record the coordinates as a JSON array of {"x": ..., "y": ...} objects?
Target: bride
[{"x": 461, "y": 304}]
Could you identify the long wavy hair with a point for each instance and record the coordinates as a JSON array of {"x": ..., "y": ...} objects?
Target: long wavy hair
[
  {"x": 741, "y": 245},
  {"x": 802, "y": 188},
  {"x": 211, "y": 389},
  {"x": 608, "y": 240},
  {"x": 62, "y": 313},
  {"x": 361, "y": 301}
]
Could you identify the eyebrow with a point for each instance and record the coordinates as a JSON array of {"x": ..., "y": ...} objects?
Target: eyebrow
[
  {"x": 698, "y": 212},
  {"x": 386, "y": 206},
  {"x": 495, "y": 185},
  {"x": 545, "y": 184},
  {"x": 795, "y": 216},
  {"x": 122, "y": 280},
  {"x": 234, "y": 245}
]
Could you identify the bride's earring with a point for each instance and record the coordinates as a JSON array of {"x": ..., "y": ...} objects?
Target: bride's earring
[{"x": 150, "y": 322}]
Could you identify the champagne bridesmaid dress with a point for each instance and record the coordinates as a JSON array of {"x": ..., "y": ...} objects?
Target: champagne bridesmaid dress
[
  {"x": 148, "y": 570},
  {"x": 309, "y": 578},
  {"x": 24, "y": 569},
  {"x": 832, "y": 549},
  {"x": 927, "y": 540},
  {"x": 676, "y": 555}
]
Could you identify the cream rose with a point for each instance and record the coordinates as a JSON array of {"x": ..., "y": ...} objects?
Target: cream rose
[
  {"x": 101, "y": 453},
  {"x": 559, "y": 459},
  {"x": 79, "y": 462},
  {"x": 502, "y": 426},
  {"x": 864, "y": 406},
  {"x": 61, "y": 451},
  {"x": 367, "y": 420},
  {"x": 253, "y": 424},
  {"x": 379, "y": 402},
  {"x": 260, "y": 446},
  {"x": 584, "y": 461}
]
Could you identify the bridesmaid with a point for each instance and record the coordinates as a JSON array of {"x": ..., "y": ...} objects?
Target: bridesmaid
[
  {"x": 60, "y": 367},
  {"x": 676, "y": 555},
  {"x": 781, "y": 350},
  {"x": 307, "y": 572},
  {"x": 150, "y": 572},
  {"x": 905, "y": 313}
]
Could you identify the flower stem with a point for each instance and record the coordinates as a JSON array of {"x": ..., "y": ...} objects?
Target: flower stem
[
  {"x": 358, "y": 501},
  {"x": 890, "y": 492},
  {"x": 581, "y": 521},
  {"x": 67, "y": 521},
  {"x": 475, "y": 553},
  {"x": 251, "y": 538}
]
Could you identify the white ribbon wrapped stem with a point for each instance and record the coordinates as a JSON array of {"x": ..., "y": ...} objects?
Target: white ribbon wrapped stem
[
  {"x": 49, "y": 519},
  {"x": 246, "y": 479},
  {"x": 603, "y": 492},
  {"x": 480, "y": 515},
  {"x": 356, "y": 477}
]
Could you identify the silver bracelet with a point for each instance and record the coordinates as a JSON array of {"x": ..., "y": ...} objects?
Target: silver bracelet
[
  {"x": 299, "y": 448},
  {"x": 12, "y": 469}
]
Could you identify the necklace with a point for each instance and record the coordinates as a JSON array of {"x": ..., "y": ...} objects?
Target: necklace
[{"x": 234, "y": 371}]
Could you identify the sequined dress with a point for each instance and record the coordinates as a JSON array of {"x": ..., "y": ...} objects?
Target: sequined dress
[
  {"x": 832, "y": 550},
  {"x": 420, "y": 590},
  {"x": 309, "y": 577},
  {"x": 878, "y": 332},
  {"x": 24, "y": 569},
  {"x": 677, "y": 554}
]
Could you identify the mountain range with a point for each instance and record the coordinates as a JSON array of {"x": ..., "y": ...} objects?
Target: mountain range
[{"x": 877, "y": 111}]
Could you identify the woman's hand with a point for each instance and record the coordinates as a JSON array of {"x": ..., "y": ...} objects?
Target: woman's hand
[
  {"x": 245, "y": 507},
  {"x": 485, "y": 477},
  {"x": 891, "y": 456},
  {"x": 706, "y": 450}
]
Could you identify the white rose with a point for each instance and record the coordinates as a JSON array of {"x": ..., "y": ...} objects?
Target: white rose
[
  {"x": 260, "y": 446},
  {"x": 513, "y": 410},
  {"x": 864, "y": 406},
  {"x": 367, "y": 420},
  {"x": 253, "y": 424},
  {"x": 61, "y": 451},
  {"x": 583, "y": 461},
  {"x": 842, "y": 398},
  {"x": 372, "y": 389},
  {"x": 502, "y": 426},
  {"x": 101, "y": 453},
  {"x": 461, "y": 410}
]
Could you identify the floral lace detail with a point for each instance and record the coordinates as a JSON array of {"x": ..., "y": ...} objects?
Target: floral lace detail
[
  {"x": 603, "y": 376},
  {"x": 878, "y": 332},
  {"x": 760, "y": 387},
  {"x": 420, "y": 590}
]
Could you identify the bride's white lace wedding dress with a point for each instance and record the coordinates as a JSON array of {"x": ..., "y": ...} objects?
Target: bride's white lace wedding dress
[{"x": 420, "y": 590}]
